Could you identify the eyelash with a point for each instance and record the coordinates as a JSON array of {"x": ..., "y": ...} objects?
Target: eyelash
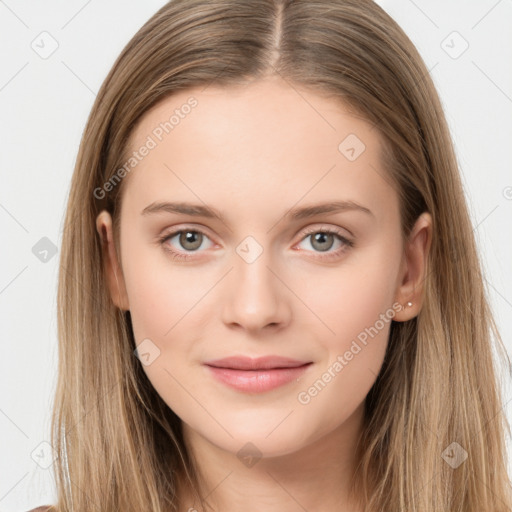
[{"x": 331, "y": 255}]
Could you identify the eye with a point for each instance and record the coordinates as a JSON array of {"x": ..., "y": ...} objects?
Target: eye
[
  {"x": 190, "y": 240},
  {"x": 324, "y": 239}
]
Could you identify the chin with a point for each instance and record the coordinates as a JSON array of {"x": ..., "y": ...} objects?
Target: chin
[
  {"x": 257, "y": 445},
  {"x": 267, "y": 435}
]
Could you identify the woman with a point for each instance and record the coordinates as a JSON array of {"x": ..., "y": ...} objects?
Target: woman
[{"x": 325, "y": 342}]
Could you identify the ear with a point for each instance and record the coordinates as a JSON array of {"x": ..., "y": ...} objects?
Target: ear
[
  {"x": 113, "y": 272},
  {"x": 413, "y": 269}
]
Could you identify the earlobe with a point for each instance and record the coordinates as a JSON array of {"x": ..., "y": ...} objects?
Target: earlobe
[
  {"x": 113, "y": 272},
  {"x": 414, "y": 269}
]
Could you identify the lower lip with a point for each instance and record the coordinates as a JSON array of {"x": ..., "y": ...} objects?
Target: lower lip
[{"x": 257, "y": 381}]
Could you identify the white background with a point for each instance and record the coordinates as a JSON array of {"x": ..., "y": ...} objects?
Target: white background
[{"x": 44, "y": 104}]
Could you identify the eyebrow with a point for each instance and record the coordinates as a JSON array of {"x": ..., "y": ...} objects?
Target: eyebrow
[{"x": 209, "y": 212}]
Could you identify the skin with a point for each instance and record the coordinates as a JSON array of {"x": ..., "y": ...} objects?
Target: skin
[{"x": 254, "y": 153}]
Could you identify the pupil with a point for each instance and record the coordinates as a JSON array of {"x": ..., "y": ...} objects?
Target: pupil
[
  {"x": 191, "y": 237},
  {"x": 321, "y": 238}
]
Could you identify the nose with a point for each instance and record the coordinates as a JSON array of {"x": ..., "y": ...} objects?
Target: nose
[{"x": 255, "y": 296}]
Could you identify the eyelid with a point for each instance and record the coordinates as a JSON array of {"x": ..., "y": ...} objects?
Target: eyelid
[
  {"x": 174, "y": 230},
  {"x": 314, "y": 228}
]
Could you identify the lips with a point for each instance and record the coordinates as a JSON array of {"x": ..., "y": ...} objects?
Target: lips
[
  {"x": 258, "y": 375},
  {"x": 260, "y": 363}
]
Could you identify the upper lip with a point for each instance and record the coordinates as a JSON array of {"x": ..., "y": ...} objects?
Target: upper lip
[{"x": 259, "y": 363}]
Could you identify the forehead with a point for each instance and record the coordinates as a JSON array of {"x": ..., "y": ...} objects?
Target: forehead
[{"x": 264, "y": 143}]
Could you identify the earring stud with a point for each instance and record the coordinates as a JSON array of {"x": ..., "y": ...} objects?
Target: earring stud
[{"x": 409, "y": 304}]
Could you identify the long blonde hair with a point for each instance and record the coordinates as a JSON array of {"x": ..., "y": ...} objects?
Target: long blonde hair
[{"x": 438, "y": 395}]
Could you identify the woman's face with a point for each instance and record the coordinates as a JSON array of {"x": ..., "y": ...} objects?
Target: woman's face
[{"x": 273, "y": 277}]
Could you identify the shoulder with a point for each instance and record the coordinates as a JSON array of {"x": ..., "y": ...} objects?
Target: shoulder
[{"x": 45, "y": 508}]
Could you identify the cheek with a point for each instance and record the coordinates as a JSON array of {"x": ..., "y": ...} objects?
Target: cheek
[
  {"x": 353, "y": 306},
  {"x": 162, "y": 294},
  {"x": 347, "y": 300},
  {"x": 165, "y": 301},
  {"x": 361, "y": 320}
]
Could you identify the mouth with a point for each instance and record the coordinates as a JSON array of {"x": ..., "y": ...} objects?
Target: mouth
[{"x": 256, "y": 375}]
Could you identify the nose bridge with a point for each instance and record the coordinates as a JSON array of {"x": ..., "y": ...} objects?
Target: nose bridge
[
  {"x": 252, "y": 275},
  {"x": 255, "y": 295}
]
